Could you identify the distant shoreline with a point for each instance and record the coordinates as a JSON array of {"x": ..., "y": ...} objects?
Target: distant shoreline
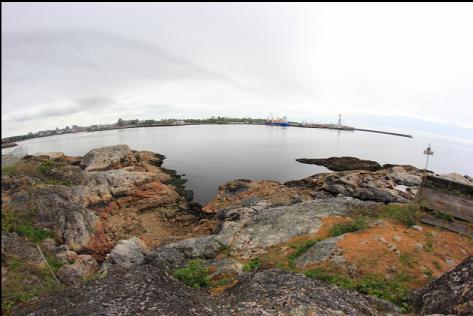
[{"x": 236, "y": 123}]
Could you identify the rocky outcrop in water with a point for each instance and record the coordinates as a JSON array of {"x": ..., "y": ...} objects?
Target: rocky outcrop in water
[{"x": 343, "y": 163}]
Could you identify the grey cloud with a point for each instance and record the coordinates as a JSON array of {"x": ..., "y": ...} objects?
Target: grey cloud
[{"x": 45, "y": 112}]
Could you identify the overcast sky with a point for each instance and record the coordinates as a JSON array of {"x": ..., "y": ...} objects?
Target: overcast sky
[{"x": 65, "y": 64}]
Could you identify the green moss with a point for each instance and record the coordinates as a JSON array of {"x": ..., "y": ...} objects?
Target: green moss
[
  {"x": 45, "y": 167},
  {"x": 443, "y": 216},
  {"x": 394, "y": 290},
  {"x": 429, "y": 244},
  {"x": 299, "y": 249},
  {"x": 437, "y": 265},
  {"x": 25, "y": 282},
  {"x": 407, "y": 259},
  {"x": 409, "y": 213},
  {"x": 194, "y": 274},
  {"x": 32, "y": 233},
  {"x": 339, "y": 229},
  {"x": 9, "y": 170},
  {"x": 251, "y": 265}
]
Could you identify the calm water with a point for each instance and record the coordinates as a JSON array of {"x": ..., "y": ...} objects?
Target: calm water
[{"x": 210, "y": 155}]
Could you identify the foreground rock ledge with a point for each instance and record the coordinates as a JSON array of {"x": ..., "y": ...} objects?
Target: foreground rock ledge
[{"x": 147, "y": 290}]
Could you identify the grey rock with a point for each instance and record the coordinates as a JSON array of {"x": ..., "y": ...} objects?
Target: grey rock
[
  {"x": 200, "y": 247},
  {"x": 102, "y": 158},
  {"x": 148, "y": 290},
  {"x": 49, "y": 244},
  {"x": 259, "y": 229},
  {"x": 128, "y": 253},
  {"x": 61, "y": 248},
  {"x": 226, "y": 266},
  {"x": 166, "y": 258},
  {"x": 451, "y": 293},
  {"x": 72, "y": 224},
  {"x": 321, "y": 251},
  {"x": 84, "y": 266},
  {"x": 274, "y": 292},
  {"x": 403, "y": 177},
  {"x": 66, "y": 257}
]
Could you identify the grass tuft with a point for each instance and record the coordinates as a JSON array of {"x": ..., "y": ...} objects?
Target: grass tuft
[
  {"x": 194, "y": 274},
  {"x": 252, "y": 265},
  {"x": 339, "y": 229}
]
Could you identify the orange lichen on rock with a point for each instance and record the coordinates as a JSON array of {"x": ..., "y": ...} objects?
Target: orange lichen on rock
[{"x": 389, "y": 248}]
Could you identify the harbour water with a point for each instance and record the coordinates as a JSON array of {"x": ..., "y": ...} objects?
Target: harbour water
[{"x": 210, "y": 155}]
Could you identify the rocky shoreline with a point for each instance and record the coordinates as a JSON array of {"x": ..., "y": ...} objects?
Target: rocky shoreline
[{"x": 116, "y": 218}]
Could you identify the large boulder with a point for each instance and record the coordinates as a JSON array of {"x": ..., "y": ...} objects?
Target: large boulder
[
  {"x": 84, "y": 266},
  {"x": 452, "y": 293},
  {"x": 128, "y": 253},
  {"x": 166, "y": 258},
  {"x": 72, "y": 224},
  {"x": 199, "y": 247},
  {"x": 321, "y": 251},
  {"x": 106, "y": 157}
]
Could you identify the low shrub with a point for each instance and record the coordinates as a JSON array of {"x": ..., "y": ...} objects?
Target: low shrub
[
  {"x": 194, "y": 274},
  {"x": 409, "y": 213},
  {"x": 31, "y": 232},
  {"x": 394, "y": 290},
  {"x": 251, "y": 265},
  {"x": 299, "y": 249},
  {"x": 349, "y": 227}
]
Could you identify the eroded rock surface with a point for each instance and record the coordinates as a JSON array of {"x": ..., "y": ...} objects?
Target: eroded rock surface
[
  {"x": 128, "y": 253},
  {"x": 118, "y": 193},
  {"x": 147, "y": 290},
  {"x": 452, "y": 293}
]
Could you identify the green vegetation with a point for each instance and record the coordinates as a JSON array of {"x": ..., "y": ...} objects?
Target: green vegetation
[
  {"x": 45, "y": 167},
  {"x": 40, "y": 170},
  {"x": 194, "y": 274},
  {"x": 26, "y": 281},
  {"x": 437, "y": 265},
  {"x": 394, "y": 290},
  {"x": 15, "y": 221},
  {"x": 408, "y": 213},
  {"x": 443, "y": 216},
  {"x": 407, "y": 259},
  {"x": 32, "y": 233},
  {"x": 299, "y": 249},
  {"x": 429, "y": 244},
  {"x": 429, "y": 274},
  {"x": 9, "y": 170},
  {"x": 251, "y": 265},
  {"x": 339, "y": 229},
  {"x": 222, "y": 282}
]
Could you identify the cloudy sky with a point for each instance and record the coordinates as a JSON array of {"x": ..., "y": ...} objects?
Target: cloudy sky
[{"x": 65, "y": 64}]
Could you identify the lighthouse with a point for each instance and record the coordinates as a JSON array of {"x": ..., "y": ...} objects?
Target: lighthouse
[{"x": 339, "y": 121}]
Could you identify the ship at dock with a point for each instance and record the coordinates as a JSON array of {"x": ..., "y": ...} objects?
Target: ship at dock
[{"x": 277, "y": 122}]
